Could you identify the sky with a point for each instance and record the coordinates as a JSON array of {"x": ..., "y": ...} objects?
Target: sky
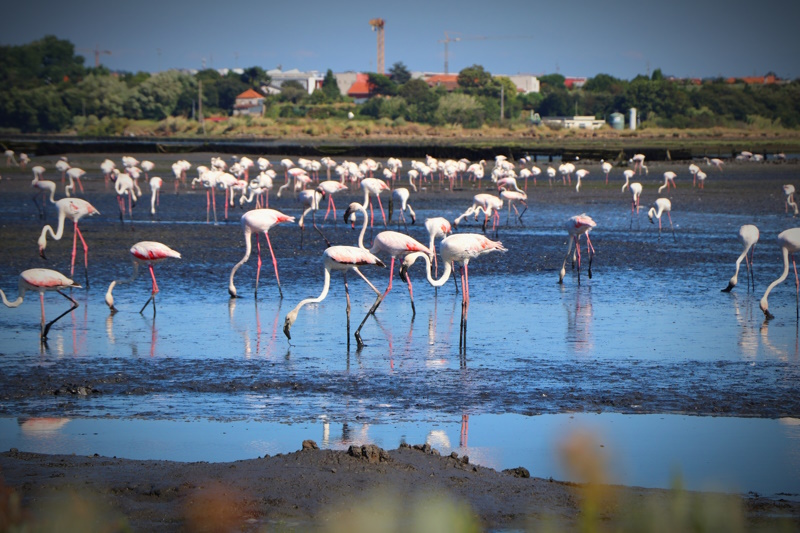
[{"x": 623, "y": 38}]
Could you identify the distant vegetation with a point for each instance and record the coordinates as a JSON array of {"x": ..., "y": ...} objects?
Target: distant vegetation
[{"x": 46, "y": 88}]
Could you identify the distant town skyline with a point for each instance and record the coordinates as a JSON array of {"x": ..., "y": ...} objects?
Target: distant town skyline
[{"x": 623, "y": 38}]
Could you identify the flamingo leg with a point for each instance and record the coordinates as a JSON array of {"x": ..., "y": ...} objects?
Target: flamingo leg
[
  {"x": 153, "y": 293},
  {"x": 208, "y": 205},
  {"x": 411, "y": 295},
  {"x": 85, "y": 253},
  {"x": 590, "y": 251},
  {"x": 214, "y": 204},
  {"x": 381, "y": 206},
  {"x": 258, "y": 270},
  {"x": 797, "y": 288},
  {"x": 274, "y": 264},
  {"x": 751, "y": 267},
  {"x": 46, "y": 327},
  {"x": 377, "y": 301},
  {"x": 347, "y": 297},
  {"x": 578, "y": 251}
]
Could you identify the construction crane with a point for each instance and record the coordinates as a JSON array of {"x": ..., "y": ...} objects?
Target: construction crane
[
  {"x": 448, "y": 39},
  {"x": 97, "y": 53},
  {"x": 377, "y": 25}
]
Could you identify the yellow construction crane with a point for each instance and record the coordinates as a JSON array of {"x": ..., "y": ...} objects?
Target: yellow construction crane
[{"x": 377, "y": 25}]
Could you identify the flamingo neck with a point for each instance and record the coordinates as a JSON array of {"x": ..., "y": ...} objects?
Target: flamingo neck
[
  {"x": 778, "y": 281},
  {"x": 448, "y": 268},
  {"x": 18, "y": 301}
]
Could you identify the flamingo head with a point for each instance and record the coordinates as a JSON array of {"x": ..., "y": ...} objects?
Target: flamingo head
[
  {"x": 350, "y": 213},
  {"x": 287, "y": 324}
]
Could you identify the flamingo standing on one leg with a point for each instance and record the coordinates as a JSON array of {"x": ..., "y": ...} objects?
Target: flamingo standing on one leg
[
  {"x": 144, "y": 252},
  {"x": 258, "y": 220},
  {"x": 788, "y": 190},
  {"x": 155, "y": 191},
  {"x": 789, "y": 241},
  {"x": 661, "y": 206},
  {"x": 459, "y": 248},
  {"x": 580, "y": 174},
  {"x": 345, "y": 259},
  {"x": 42, "y": 280},
  {"x": 748, "y": 236},
  {"x": 606, "y": 167},
  {"x": 75, "y": 209},
  {"x": 577, "y": 226}
]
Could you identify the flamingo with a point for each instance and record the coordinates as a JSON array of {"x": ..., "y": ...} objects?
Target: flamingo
[
  {"x": 144, "y": 252},
  {"x": 438, "y": 228},
  {"x": 535, "y": 171},
  {"x": 638, "y": 163},
  {"x": 75, "y": 209},
  {"x": 74, "y": 174},
  {"x": 701, "y": 179},
  {"x": 789, "y": 241},
  {"x": 286, "y": 164},
  {"x": 748, "y": 236},
  {"x": 43, "y": 186},
  {"x": 155, "y": 190},
  {"x": 329, "y": 188},
  {"x": 310, "y": 200},
  {"x": 396, "y": 245},
  {"x": 258, "y": 220},
  {"x": 10, "y": 160},
  {"x": 400, "y": 195},
  {"x": 636, "y": 193},
  {"x": 551, "y": 174},
  {"x": 715, "y": 161},
  {"x": 512, "y": 197},
  {"x": 669, "y": 178},
  {"x": 62, "y": 166},
  {"x": 490, "y": 205},
  {"x": 107, "y": 167},
  {"x": 24, "y": 160},
  {"x": 373, "y": 186},
  {"x": 124, "y": 186},
  {"x": 660, "y": 206},
  {"x": 577, "y": 226},
  {"x": 459, "y": 248},
  {"x": 788, "y": 190},
  {"x": 344, "y": 259},
  {"x": 693, "y": 170},
  {"x": 606, "y": 167},
  {"x": 581, "y": 173},
  {"x": 42, "y": 280},
  {"x": 147, "y": 167}
]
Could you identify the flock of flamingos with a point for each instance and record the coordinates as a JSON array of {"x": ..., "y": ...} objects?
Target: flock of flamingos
[{"x": 303, "y": 178}]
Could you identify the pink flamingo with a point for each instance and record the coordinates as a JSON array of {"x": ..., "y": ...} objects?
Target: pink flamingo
[
  {"x": 42, "y": 280},
  {"x": 748, "y": 236},
  {"x": 373, "y": 186},
  {"x": 789, "y": 241},
  {"x": 459, "y": 248},
  {"x": 438, "y": 228},
  {"x": 74, "y": 174},
  {"x": 124, "y": 186},
  {"x": 43, "y": 186},
  {"x": 669, "y": 179},
  {"x": 344, "y": 259},
  {"x": 62, "y": 166},
  {"x": 606, "y": 167},
  {"x": 144, "y": 252},
  {"x": 661, "y": 206},
  {"x": 147, "y": 167},
  {"x": 488, "y": 204},
  {"x": 638, "y": 164},
  {"x": 329, "y": 188},
  {"x": 577, "y": 226},
  {"x": 258, "y": 220},
  {"x": 155, "y": 191},
  {"x": 401, "y": 195},
  {"x": 74, "y": 209},
  {"x": 310, "y": 200}
]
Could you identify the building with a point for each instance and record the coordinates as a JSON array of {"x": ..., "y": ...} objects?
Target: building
[
  {"x": 525, "y": 83},
  {"x": 448, "y": 81},
  {"x": 310, "y": 80},
  {"x": 574, "y": 82},
  {"x": 249, "y": 103},
  {"x": 359, "y": 90},
  {"x": 576, "y": 122}
]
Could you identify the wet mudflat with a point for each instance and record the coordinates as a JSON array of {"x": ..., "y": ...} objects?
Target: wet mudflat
[{"x": 649, "y": 333}]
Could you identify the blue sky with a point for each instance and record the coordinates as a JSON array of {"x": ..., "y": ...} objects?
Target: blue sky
[{"x": 574, "y": 37}]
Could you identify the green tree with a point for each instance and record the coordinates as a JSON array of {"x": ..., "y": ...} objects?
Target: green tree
[
  {"x": 421, "y": 100},
  {"x": 157, "y": 97},
  {"x": 293, "y": 91},
  {"x": 330, "y": 88},
  {"x": 657, "y": 75},
  {"x": 551, "y": 82},
  {"x": 464, "y": 109},
  {"x": 474, "y": 79},
  {"x": 255, "y": 77},
  {"x": 399, "y": 73},
  {"x": 604, "y": 83},
  {"x": 381, "y": 84}
]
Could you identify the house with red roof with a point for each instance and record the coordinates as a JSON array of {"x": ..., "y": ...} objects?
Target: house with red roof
[{"x": 249, "y": 103}]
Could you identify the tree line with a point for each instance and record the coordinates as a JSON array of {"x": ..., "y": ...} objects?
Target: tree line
[{"x": 47, "y": 88}]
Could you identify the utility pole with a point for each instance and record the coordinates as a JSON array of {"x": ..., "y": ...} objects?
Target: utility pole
[
  {"x": 502, "y": 101},
  {"x": 378, "y": 25}
]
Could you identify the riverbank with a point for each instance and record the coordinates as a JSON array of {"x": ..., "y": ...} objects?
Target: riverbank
[
  {"x": 410, "y": 488},
  {"x": 379, "y": 139}
]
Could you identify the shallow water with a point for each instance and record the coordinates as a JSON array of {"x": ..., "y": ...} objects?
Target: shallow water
[{"x": 650, "y": 332}]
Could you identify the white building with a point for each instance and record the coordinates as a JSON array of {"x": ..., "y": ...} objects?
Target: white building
[
  {"x": 310, "y": 80},
  {"x": 587, "y": 122}
]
